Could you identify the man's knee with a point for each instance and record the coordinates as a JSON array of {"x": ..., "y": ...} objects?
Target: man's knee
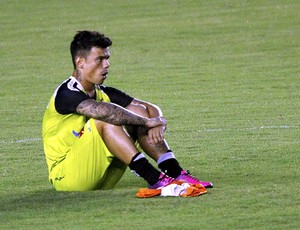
[{"x": 139, "y": 109}]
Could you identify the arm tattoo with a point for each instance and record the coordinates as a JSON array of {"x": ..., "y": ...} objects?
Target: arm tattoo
[{"x": 110, "y": 113}]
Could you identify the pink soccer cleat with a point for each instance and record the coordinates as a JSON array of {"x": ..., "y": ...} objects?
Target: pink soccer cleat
[
  {"x": 187, "y": 177},
  {"x": 164, "y": 180}
]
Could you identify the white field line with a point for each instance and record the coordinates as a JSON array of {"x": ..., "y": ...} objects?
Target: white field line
[
  {"x": 26, "y": 140},
  {"x": 21, "y": 141},
  {"x": 253, "y": 128}
]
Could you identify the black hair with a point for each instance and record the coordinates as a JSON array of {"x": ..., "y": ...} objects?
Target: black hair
[{"x": 85, "y": 40}]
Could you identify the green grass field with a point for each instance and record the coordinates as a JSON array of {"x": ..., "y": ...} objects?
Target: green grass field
[{"x": 225, "y": 73}]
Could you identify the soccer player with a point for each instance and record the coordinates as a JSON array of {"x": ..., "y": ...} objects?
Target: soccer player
[{"x": 92, "y": 132}]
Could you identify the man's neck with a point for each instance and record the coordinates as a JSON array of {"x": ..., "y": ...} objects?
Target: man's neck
[{"x": 88, "y": 88}]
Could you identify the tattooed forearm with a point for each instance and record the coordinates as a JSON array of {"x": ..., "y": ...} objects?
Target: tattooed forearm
[{"x": 110, "y": 113}]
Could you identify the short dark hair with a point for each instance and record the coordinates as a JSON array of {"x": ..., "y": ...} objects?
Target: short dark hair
[{"x": 85, "y": 40}]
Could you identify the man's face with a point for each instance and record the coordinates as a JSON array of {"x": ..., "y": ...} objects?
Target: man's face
[{"x": 95, "y": 66}]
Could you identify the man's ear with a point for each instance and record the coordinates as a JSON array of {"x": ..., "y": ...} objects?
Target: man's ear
[{"x": 79, "y": 62}]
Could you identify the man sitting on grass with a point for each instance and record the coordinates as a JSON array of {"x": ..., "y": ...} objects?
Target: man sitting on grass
[{"x": 90, "y": 131}]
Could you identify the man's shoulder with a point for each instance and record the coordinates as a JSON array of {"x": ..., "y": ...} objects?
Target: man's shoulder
[
  {"x": 68, "y": 95},
  {"x": 70, "y": 84}
]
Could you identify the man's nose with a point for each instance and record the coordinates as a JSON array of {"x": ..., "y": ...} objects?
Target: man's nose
[{"x": 106, "y": 63}]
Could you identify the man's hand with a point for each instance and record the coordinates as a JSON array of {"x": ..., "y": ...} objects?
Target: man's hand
[
  {"x": 156, "y": 133},
  {"x": 155, "y": 122}
]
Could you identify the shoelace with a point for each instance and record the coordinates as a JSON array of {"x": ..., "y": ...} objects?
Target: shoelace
[
  {"x": 188, "y": 174},
  {"x": 166, "y": 179}
]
